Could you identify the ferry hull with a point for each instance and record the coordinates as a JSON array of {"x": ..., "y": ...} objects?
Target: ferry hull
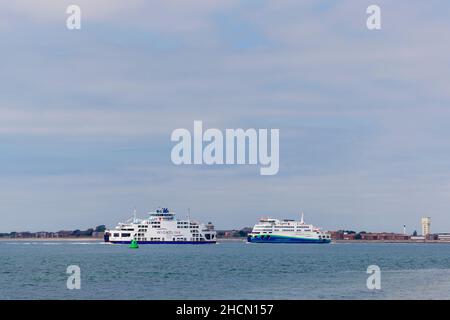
[
  {"x": 284, "y": 239},
  {"x": 164, "y": 242}
]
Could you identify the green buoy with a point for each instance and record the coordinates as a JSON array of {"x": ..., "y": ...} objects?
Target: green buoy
[{"x": 134, "y": 244}]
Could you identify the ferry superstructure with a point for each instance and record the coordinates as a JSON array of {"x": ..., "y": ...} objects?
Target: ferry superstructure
[
  {"x": 270, "y": 230},
  {"x": 161, "y": 227}
]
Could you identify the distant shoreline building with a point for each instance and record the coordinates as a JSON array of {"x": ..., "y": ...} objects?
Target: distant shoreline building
[
  {"x": 385, "y": 236},
  {"x": 443, "y": 237},
  {"x": 368, "y": 236},
  {"x": 426, "y": 226}
]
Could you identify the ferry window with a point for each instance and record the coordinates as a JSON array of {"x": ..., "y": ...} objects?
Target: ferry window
[
  {"x": 126, "y": 235},
  {"x": 116, "y": 234}
]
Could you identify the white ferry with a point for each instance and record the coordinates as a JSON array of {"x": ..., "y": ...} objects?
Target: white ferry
[
  {"x": 161, "y": 227},
  {"x": 270, "y": 230}
]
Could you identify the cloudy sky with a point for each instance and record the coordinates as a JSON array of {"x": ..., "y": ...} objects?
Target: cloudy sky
[{"x": 86, "y": 115}]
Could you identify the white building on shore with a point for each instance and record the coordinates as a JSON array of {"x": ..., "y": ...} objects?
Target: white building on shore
[{"x": 426, "y": 226}]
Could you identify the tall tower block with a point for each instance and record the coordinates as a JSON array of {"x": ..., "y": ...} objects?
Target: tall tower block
[{"x": 426, "y": 226}]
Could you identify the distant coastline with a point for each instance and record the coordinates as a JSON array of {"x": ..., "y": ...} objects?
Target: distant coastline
[
  {"x": 89, "y": 234},
  {"x": 222, "y": 240},
  {"x": 390, "y": 241},
  {"x": 340, "y": 236},
  {"x": 52, "y": 239}
]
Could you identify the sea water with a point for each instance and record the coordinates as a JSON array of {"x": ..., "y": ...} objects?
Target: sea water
[{"x": 229, "y": 270}]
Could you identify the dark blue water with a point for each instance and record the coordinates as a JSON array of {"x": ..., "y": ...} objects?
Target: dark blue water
[{"x": 37, "y": 270}]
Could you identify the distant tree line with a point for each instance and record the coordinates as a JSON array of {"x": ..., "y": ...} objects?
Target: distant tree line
[
  {"x": 43, "y": 234},
  {"x": 242, "y": 233}
]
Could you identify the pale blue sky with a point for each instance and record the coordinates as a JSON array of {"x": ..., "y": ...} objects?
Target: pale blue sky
[{"x": 86, "y": 116}]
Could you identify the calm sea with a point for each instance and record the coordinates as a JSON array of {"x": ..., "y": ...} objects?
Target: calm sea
[{"x": 37, "y": 270}]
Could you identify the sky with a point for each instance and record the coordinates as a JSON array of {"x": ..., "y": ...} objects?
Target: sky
[{"x": 86, "y": 115}]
